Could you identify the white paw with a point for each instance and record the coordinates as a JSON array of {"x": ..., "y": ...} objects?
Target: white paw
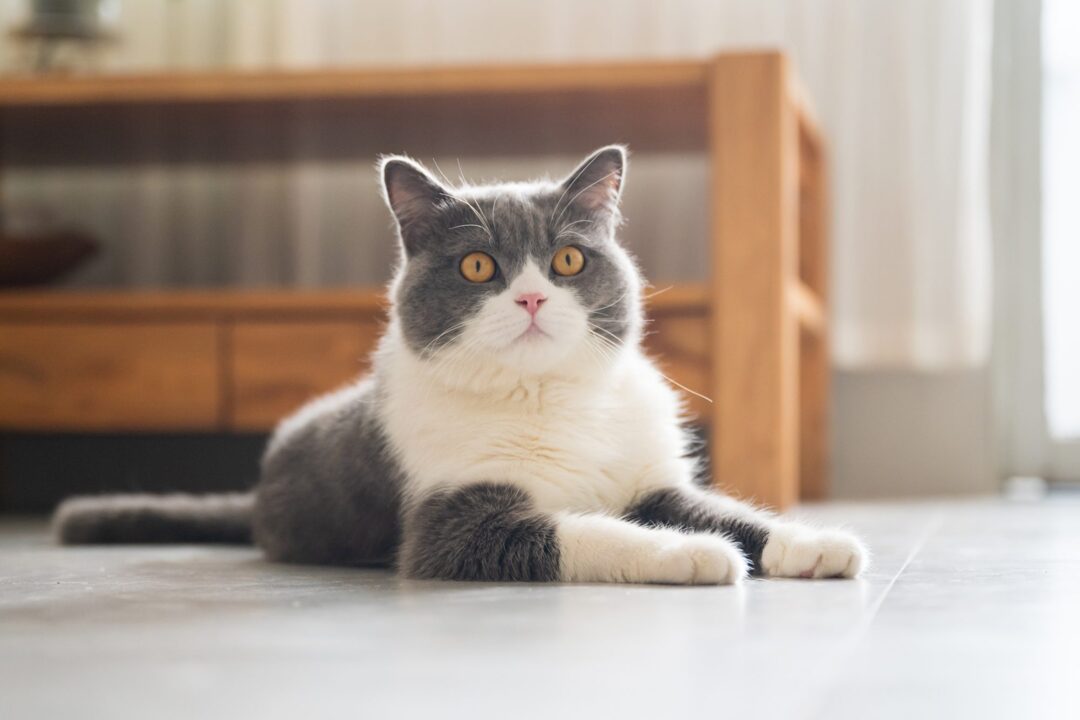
[
  {"x": 800, "y": 551},
  {"x": 692, "y": 560}
]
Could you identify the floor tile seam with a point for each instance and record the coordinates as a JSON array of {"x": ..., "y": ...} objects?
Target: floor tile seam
[{"x": 855, "y": 639}]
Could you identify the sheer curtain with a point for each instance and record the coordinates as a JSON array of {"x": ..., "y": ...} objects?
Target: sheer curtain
[
  {"x": 1061, "y": 216},
  {"x": 901, "y": 89}
]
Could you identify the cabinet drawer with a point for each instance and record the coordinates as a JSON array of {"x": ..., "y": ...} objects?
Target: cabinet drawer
[
  {"x": 116, "y": 376},
  {"x": 276, "y": 366}
]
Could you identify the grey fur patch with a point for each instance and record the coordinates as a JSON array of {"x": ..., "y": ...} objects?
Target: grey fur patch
[
  {"x": 692, "y": 510},
  {"x": 439, "y": 225},
  {"x": 486, "y": 531},
  {"x": 177, "y": 518},
  {"x": 330, "y": 489}
]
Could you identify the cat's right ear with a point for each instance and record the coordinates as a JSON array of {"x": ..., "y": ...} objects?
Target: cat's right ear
[{"x": 411, "y": 192}]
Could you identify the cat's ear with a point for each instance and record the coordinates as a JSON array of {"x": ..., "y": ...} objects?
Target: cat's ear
[
  {"x": 410, "y": 190},
  {"x": 596, "y": 184}
]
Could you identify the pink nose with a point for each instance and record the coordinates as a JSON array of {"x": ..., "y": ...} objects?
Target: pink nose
[{"x": 531, "y": 302}]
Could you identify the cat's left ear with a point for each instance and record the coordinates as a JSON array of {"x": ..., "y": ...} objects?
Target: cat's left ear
[
  {"x": 596, "y": 184},
  {"x": 410, "y": 190}
]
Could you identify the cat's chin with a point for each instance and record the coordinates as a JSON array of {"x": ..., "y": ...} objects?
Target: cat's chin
[
  {"x": 551, "y": 356},
  {"x": 534, "y": 348},
  {"x": 531, "y": 334},
  {"x": 534, "y": 352}
]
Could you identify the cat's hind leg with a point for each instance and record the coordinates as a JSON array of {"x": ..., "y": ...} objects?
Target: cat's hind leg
[{"x": 493, "y": 531}]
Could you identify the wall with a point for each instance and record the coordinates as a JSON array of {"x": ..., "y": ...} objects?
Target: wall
[{"x": 898, "y": 433}]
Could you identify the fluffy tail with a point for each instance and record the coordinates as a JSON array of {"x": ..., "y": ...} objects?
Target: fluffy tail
[{"x": 222, "y": 518}]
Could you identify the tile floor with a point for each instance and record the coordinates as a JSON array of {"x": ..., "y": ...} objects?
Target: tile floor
[{"x": 971, "y": 610}]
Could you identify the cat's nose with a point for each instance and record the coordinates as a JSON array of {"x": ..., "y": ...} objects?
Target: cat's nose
[{"x": 531, "y": 302}]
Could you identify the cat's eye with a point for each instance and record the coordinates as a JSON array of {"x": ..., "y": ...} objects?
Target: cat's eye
[
  {"x": 478, "y": 267},
  {"x": 568, "y": 261}
]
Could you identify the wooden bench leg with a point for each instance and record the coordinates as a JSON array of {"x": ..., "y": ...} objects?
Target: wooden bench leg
[
  {"x": 753, "y": 163},
  {"x": 814, "y": 365}
]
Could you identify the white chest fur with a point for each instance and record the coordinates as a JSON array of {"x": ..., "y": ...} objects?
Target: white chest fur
[{"x": 573, "y": 445}]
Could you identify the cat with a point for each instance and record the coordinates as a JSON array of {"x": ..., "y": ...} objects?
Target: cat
[{"x": 511, "y": 429}]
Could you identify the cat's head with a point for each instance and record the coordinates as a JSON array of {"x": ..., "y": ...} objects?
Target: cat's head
[{"x": 526, "y": 276}]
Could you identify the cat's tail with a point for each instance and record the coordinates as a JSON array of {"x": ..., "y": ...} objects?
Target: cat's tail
[{"x": 224, "y": 518}]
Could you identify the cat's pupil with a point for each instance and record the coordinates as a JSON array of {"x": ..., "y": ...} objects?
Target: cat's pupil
[
  {"x": 477, "y": 267},
  {"x": 566, "y": 257}
]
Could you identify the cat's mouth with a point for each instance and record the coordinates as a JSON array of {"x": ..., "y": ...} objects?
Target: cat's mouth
[{"x": 532, "y": 332}]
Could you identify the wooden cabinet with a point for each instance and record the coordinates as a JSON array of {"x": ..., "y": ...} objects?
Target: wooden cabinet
[
  {"x": 180, "y": 361},
  {"x": 93, "y": 376},
  {"x": 275, "y": 366}
]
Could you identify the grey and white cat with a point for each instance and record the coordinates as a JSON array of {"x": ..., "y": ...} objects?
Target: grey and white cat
[{"x": 511, "y": 429}]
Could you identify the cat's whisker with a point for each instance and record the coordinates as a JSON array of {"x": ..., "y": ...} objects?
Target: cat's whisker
[
  {"x": 597, "y": 356},
  {"x": 614, "y": 302},
  {"x": 605, "y": 358},
  {"x": 706, "y": 398},
  {"x": 661, "y": 291},
  {"x": 474, "y": 208},
  {"x": 445, "y": 179},
  {"x": 608, "y": 354},
  {"x": 577, "y": 222},
  {"x": 453, "y": 327},
  {"x": 480, "y": 216},
  {"x": 615, "y": 338},
  {"x": 571, "y": 233},
  {"x": 474, "y": 205},
  {"x": 606, "y": 343},
  {"x": 670, "y": 380},
  {"x": 431, "y": 349}
]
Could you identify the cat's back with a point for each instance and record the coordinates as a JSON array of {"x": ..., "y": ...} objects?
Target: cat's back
[{"x": 324, "y": 417}]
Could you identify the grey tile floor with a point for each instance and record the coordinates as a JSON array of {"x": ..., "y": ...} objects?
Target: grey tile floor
[{"x": 971, "y": 610}]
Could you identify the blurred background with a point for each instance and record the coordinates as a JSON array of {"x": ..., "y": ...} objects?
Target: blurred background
[{"x": 954, "y": 166}]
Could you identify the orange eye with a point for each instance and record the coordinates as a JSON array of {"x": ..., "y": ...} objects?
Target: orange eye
[
  {"x": 478, "y": 267},
  {"x": 568, "y": 261}
]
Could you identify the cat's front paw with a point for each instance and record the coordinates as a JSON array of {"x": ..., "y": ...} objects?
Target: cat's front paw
[
  {"x": 693, "y": 560},
  {"x": 800, "y": 551}
]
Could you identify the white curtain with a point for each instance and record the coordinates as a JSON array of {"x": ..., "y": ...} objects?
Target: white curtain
[
  {"x": 901, "y": 89},
  {"x": 1061, "y": 217}
]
